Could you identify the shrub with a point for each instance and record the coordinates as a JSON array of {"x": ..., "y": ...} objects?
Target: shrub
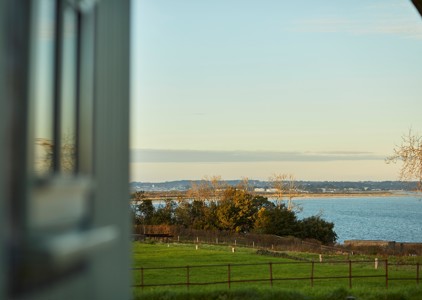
[{"x": 316, "y": 228}]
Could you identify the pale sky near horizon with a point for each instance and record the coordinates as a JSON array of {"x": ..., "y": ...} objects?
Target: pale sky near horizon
[{"x": 248, "y": 88}]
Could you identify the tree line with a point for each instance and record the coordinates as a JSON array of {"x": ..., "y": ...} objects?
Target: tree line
[
  {"x": 234, "y": 209},
  {"x": 215, "y": 206}
]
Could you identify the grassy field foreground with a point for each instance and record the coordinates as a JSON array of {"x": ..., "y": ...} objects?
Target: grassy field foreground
[{"x": 210, "y": 264}]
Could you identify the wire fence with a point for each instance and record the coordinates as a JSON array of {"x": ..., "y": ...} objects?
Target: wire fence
[
  {"x": 173, "y": 233},
  {"x": 256, "y": 241},
  {"x": 381, "y": 272}
]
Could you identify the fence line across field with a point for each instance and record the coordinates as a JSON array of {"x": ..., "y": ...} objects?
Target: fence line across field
[
  {"x": 166, "y": 237},
  {"x": 271, "y": 278}
]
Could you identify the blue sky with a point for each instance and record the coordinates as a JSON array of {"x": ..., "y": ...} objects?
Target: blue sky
[{"x": 249, "y": 88}]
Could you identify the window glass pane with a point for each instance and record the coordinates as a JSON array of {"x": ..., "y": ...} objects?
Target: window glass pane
[
  {"x": 44, "y": 43},
  {"x": 69, "y": 91}
]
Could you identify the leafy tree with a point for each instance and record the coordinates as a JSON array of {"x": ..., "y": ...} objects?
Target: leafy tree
[
  {"x": 210, "y": 216},
  {"x": 276, "y": 220},
  {"x": 200, "y": 213},
  {"x": 261, "y": 202},
  {"x": 145, "y": 212},
  {"x": 195, "y": 214},
  {"x": 236, "y": 210},
  {"x": 183, "y": 214},
  {"x": 316, "y": 228},
  {"x": 165, "y": 214}
]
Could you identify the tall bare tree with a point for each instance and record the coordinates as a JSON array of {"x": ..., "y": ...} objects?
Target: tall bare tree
[
  {"x": 277, "y": 182},
  {"x": 209, "y": 188},
  {"x": 216, "y": 186},
  {"x": 285, "y": 186},
  {"x": 410, "y": 153},
  {"x": 292, "y": 191},
  {"x": 246, "y": 186},
  {"x": 199, "y": 191}
]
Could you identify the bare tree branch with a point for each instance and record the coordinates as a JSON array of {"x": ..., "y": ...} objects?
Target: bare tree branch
[{"x": 410, "y": 154}]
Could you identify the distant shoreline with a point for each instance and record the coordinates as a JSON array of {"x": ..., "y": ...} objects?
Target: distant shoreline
[
  {"x": 352, "y": 195},
  {"x": 160, "y": 196}
]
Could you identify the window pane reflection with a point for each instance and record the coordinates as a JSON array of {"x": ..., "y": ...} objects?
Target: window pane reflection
[
  {"x": 43, "y": 109},
  {"x": 55, "y": 88},
  {"x": 68, "y": 92}
]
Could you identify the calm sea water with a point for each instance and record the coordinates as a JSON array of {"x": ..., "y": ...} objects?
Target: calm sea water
[{"x": 374, "y": 218}]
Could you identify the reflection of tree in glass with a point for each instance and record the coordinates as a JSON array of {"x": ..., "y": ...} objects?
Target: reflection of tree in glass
[
  {"x": 68, "y": 154},
  {"x": 44, "y": 155}
]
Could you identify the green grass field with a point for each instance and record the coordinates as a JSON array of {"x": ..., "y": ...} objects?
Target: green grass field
[{"x": 202, "y": 269}]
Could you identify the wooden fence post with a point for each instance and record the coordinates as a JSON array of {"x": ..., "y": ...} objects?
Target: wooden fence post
[
  {"x": 386, "y": 273},
  {"x": 312, "y": 273},
  {"x": 187, "y": 277},
  {"x": 350, "y": 274},
  {"x": 142, "y": 278},
  {"x": 271, "y": 273},
  {"x": 228, "y": 274}
]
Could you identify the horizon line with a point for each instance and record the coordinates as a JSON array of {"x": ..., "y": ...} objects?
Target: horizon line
[{"x": 297, "y": 180}]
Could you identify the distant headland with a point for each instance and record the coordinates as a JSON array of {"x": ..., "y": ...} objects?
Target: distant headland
[{"x": 306, "y": 188}]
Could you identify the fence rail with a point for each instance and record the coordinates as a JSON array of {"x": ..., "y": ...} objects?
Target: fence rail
[
  {"x": 227, "y": 277},
  {"x": 260, "y": 241}
]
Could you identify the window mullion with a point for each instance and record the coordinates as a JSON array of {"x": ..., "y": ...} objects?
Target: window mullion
[{"x": 58, "y": 75}]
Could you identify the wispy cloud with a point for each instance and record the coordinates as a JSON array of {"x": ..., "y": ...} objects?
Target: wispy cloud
[
  {"x": 403, "y": 28},
  {"x": 185, "y": 156},
  {"x": 388, "y": 18}
]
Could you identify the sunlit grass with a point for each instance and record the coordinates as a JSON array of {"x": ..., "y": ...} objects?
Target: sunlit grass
[{"x": 217, "y": 259}]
